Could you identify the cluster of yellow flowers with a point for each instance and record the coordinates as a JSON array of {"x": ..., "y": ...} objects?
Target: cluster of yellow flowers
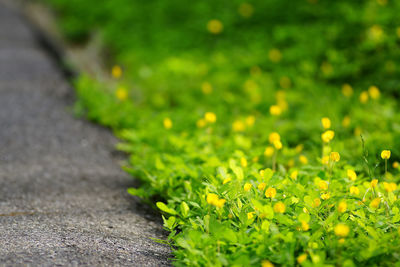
[
  {"x": 214, "y": 200},
  {"x": 209, "y": 118},
  {"x": 241, "y": 125}
]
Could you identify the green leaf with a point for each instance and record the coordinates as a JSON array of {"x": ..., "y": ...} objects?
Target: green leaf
[
  {"x": 165, "y": 208},
  {"x": 184, "y": 209}
]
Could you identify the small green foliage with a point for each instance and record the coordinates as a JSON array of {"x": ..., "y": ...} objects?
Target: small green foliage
[{"x": 246, "y": 117}]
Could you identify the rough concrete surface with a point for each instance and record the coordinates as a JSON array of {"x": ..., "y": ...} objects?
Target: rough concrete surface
[{"x": 63, "y": 197}]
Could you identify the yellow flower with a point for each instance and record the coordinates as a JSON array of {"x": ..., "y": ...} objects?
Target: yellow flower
[
  {"x": 374, "y": 183},
  {"x": 347, "y": 90},
  {"x": 275, "y": 55},
  {"x": 261, "y": 186},
  {"x": 279, "y": 207},
  {"x": 266, "y": 263},
  {"x": 275, "y": 110},
  {"x": 341, "y": 230},
  {"x": 121, "y": 94},
  {"x": 220, "y": 203},
  {"x": 270, "y": 192},
  {"x": 389, "y": 187},
  {"x": 374, "y": 92},
  {"x": 354, "y": 190},
  {"x": 167, "y": 123},
  {"x": 305, "y": 226},
  {"x": 246, "y": 10},
  {"x": 274, "y": 136},
  {"x": 382, "y": 2},
  {"x": 212, "y": 198},
  {"x": 238, "y": 126},
  {"x": 215, "y": 26},
  {"x": 247, "y": 187},
  {"x": 299, "y": 148},
  {"x": 396, "y": 164},
  {"x": 326, "y": 123},
  {"x": 375, "y": 203},
  {"x": 294, "y": 174},
  {"x": 326, "y": 196},
  {"x": 334, "y": 156},
  {"x": 323, "y": 185},
  {"x": 116, "y": 72},
  {"x": 201, "y": 123},
  {"x": 375, "y": 33},
  {"x": 206, "y": 87},
  {"x": 243, "y": 162},
  {"x": 342, "y": 207},
  {"x": 227, "y": 180},
  {"x": 303, "y": 159},
  {"x": 357, "y": 131},
  {"x": 364, "y": 97},
  {"x": 269, "y": 151},
  {"x": 341, "y": 240},
  {"x": 210, "y": 117},
  {"x": 302, "y": 258},
  {"x": 327, "y": 136},
  {"x": 316, "y": 202},
  {"x": 278, "y": 145},
  {"x": 250, "y": 215},
  {"x": 346, "y": 121},
  {"x": 351, "y": 175},
  {"x": 385, "y": 154},
  {"x": 250, "y": 120},
  {"x": 325, "y": 160}
]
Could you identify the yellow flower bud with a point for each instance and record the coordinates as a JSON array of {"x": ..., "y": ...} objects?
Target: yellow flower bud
[
  {"x": 354, "y": 190},
  {"x": 247, "y": 187},
  {"x": 341, "y": 230},
  {"x": 243, "y": 162},
  {"x": 270, "y": 192},
  {"x": 347, "y": 90},
  {"x": 261, "y": 186},
  {"x": 342, "y": 207},
  {"x": 275, "y": 110},
  {"x": 274, "y": 136},
  {"x": 316, "y": 202},
  {"x": 323, "y": 185},
  {"x": 238, "y": 126},
  {"x": 269, "y": 151},
  {"x": 121, "y": 94},
  {"x": 167, "y": 123},
  {"x": 374, "y": 183},
  {"x": 385, "y": 154},
  {"x": 210, "y": 117},
  {"x": 375, "y": 203},
  {"x": 327, "y": 136},
  {"x": 334, "y": 156},
  {"x": 301, "y": 258},
  {"x": 266, "y": 263},
  {"x": 303, "y": 159},
  {"x": 326, "y": 123},
  {"x": 279, "y": 207},
  {"x": 215, "y": 26},
  {"x": 294, "y": 175},
  {"x": 351, "y": 175},
  {"x": 116, "y": 72},
  {"x": 374, "y": 92},
  {"x": 278, "y": 145}
]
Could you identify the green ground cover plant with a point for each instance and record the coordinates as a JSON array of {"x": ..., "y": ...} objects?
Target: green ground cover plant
[{"x": 269, "y": 129}]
